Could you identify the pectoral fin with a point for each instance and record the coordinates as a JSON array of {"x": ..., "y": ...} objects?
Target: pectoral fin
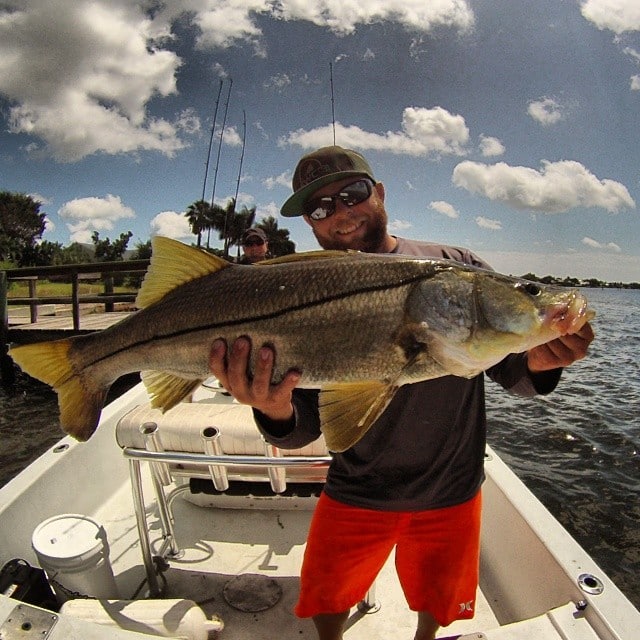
[
  {"x": 167, "y": 390},
  {"x": 348, "y": 409}
]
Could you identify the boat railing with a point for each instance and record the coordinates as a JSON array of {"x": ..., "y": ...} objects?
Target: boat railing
[{"x": 216, "y": 464}]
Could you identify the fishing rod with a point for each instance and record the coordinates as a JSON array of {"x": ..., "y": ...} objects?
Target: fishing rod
[
  {"x": 215, "y": 173},
  {"x": 244, "y": 140},
  {"x": 213, "y": 127},
  {"x": 333, "y": 106}
]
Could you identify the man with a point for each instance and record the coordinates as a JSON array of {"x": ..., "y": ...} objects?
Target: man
[
  {"x": 254, "y": 245},
  {"x": 413, "y": 481}
]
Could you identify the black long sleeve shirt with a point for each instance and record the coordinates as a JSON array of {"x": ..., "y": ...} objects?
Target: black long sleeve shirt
[{"x": 426, "y": 450}]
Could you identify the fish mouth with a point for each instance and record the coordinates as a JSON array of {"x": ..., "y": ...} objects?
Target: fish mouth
[{"x": 568, "y": 317}]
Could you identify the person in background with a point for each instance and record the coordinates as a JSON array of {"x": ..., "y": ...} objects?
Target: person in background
[
  {"x": 413, "y": 481},
  {"x": 254, "y": 246}
]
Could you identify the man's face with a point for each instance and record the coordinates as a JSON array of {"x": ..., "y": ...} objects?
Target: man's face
[
  {"x": 255, "y": 249},
  {"x": 362, "y": 226}
]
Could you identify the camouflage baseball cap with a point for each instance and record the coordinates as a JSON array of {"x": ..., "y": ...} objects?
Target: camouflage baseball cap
[{"x": 319, "y": 168}]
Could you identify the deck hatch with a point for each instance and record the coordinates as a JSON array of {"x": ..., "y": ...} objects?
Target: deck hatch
[{"x": 26, "y": 622}]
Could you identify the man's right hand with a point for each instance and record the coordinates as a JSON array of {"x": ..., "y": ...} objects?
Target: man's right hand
[{"x": 230, "y": 367}]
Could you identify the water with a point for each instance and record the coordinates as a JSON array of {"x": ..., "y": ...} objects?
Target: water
[
  {"x": 577, "y": 449},
  {"x": 29, "y": 421}
]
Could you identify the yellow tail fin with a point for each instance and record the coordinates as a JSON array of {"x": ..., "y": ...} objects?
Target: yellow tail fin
[{"x": 80, "y": 402}]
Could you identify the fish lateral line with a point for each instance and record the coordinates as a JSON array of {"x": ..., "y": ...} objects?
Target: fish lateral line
[{"x": 245, "y": 320}]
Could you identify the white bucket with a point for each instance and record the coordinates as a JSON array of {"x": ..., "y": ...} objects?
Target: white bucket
[{"x": 74, "y": 551}]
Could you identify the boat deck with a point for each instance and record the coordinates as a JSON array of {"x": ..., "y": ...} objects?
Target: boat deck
[
  {"x": 240, "y": 557},
  {"x": 220, "y": 544},
  {"x": 264, "y": 545}
]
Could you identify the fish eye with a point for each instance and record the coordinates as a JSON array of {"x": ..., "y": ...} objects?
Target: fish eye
[{"x": 530, "y": 288}]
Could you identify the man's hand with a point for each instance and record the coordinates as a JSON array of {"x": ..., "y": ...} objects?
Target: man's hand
[
  {"x": 230, "y": 367},
  {"x": 560, "y": 352}
]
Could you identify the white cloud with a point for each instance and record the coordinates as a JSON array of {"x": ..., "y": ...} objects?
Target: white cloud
[
  {"x": 245, "y": 200},
  {"x": 423, "y": 132},
  {"x": 220, "y": 71},
  {"x": 43, "y": 200},
  {"x": 342, "y": 16},
  {"x": 49, "y": 225},
  {"x": 444, "y": 208},
  {"x": 231, "y": 137},
  {"x": 188, "y": 121},
  {"x": 80, "y": 74},
  {"x": 283, "y": 180},
  {"x": 488, "y": 223},
  {"x": 172, "y": 225},
  {"x": 635, "y": 83},
  {"x": 557, "y": 187},
  {"x": 83, "y": 216},
  {"x": 266, "y": 210},
  {"x": 611, "y": 246},
  {"x": 261, "y": 129},
  {"x": 223, "y": 23},
  {"x": 632, "y": 53},
  {"x": 399, "y": 225},
  {"x": 490, "y": 147},
  {"x": 278, "y": 82},
  {"x": 618, "y": 16},
  {"x": 545, "y": 111}
]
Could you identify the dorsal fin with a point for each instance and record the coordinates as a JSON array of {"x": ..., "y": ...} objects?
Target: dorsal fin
[
  {"x": 318, "y": 254},
  {"x": 173, "y": 263}
]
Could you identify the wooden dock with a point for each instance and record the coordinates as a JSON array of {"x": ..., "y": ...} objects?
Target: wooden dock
[
  {"x": 37, "y": 318},
  {"x": 55, "y": 327}
]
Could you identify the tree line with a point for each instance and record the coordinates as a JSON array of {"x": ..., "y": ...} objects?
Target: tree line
[{"x": 22, "y": 224}]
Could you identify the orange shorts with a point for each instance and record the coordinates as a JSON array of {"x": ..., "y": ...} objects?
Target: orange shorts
[{"x": 437, "y": 557}]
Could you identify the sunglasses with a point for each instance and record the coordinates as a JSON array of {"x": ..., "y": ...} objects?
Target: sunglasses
[
  {"x": 350, "y": 195},
  {"x": 256, "y": 242}
]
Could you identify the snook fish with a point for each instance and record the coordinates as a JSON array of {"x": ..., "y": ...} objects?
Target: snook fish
[{"x": 356, "y": 325}]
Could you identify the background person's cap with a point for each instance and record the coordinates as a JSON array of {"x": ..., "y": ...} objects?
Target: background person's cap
[
  {"x": 319, "y": 168},
  {"x": 254, "y": 233}
]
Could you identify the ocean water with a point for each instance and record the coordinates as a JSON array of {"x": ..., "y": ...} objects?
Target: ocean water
[{"x": 577, "y": 449}]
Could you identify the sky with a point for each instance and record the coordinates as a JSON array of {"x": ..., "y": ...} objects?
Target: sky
[{"x": 509, "y": 127}]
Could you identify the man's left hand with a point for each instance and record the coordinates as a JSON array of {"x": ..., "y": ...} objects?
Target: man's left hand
[{"x": 560, "y": 352}]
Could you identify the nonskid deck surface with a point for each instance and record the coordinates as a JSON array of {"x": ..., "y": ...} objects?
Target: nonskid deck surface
[{"x": 265, "y": 548}]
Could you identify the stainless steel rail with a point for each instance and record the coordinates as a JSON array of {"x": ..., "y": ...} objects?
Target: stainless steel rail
[{"x": 156, "y": 458}]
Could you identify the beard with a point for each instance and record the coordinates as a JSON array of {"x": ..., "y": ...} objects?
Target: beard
[{"x": 372, "y": 241}]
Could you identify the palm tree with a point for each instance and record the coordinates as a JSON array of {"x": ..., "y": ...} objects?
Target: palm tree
[
  {"x": 239, "y": 222},
  {"x": 227, "y": 225},
  {"x": 215, "y": 220},
  {"x": 198, "y": 213},
  {"x": 279, "y": 242}
]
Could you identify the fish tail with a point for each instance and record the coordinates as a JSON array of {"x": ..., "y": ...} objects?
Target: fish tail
[{"x": 79, "y": 399}]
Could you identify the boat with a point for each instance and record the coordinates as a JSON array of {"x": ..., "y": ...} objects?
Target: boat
[{"x": 193, "y": 507}]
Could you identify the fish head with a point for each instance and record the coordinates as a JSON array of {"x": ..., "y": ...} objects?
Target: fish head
[
  {"x": 530, "y": 311},
  {"x": 469, "y": 319}
]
